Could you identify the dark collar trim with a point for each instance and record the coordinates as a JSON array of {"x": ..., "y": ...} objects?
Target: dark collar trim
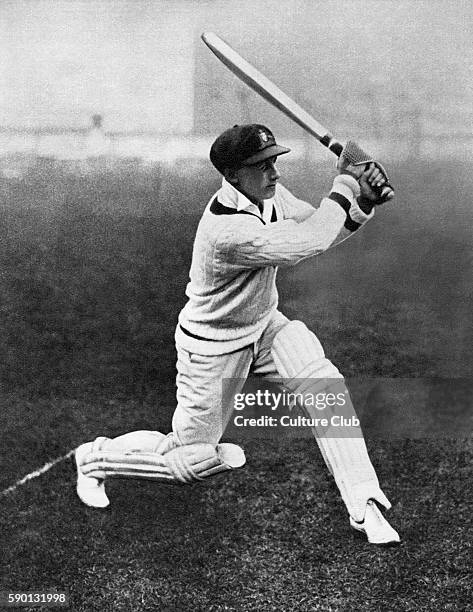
[{"x": 217, "y": 208}]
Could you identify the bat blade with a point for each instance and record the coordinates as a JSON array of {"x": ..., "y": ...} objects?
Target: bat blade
[{"x": 268, "y": 90}]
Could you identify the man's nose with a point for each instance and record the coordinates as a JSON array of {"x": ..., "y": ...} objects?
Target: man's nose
[{"x": 275, "y": 175}]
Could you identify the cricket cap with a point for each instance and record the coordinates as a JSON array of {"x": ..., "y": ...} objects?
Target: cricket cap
[{"x": 244, "y": 145}]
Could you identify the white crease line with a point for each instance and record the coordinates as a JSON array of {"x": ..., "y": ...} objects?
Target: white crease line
[{"x": 36, "y": 473}]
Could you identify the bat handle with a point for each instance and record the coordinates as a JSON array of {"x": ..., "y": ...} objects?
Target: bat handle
[
  {"x": 336, "y": 147},
  {"x": 331, "y": 143}
]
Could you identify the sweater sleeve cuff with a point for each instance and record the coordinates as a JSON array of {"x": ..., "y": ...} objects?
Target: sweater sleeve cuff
[
  {"x": 345, "y": 192},
  {"x": 358, "y": 216}
]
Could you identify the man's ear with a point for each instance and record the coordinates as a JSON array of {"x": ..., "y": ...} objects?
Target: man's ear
[{"x": 231, "y": 175}]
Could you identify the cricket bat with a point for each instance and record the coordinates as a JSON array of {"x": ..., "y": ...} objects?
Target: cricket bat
[{"x": 275, "y": 96}]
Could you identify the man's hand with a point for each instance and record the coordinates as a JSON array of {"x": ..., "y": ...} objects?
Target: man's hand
[
  {"x": 353, "y": 160},
  {"x": 370, "y": 179}
]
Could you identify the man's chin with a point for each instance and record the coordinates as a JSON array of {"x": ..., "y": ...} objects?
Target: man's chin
[{"x": 269, "y": 192}]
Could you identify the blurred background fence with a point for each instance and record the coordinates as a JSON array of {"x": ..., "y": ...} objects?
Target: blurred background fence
[{"x": 125, "y": 79}]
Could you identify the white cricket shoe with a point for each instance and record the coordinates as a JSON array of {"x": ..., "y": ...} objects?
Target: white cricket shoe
[
  {"x": 376, "y": 527},
  {"x": 90, "y": 490}
]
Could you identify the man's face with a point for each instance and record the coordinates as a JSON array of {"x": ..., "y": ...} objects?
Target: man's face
[{"x": 258, "y": 181}]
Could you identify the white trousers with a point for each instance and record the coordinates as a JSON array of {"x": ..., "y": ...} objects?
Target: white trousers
[{"x": 200, "y": 415}]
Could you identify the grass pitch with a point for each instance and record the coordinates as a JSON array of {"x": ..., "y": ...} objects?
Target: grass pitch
[
  {"x": 273, "y": 536},
  {"x": 93, "y": 274}
]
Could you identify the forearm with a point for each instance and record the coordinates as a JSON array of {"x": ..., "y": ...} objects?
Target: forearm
[
  {"x": 288, "y": 242},
  {"x": 358, "y": 209}
]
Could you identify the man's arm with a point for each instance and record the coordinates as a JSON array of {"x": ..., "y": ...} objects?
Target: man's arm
[
  {"x": 370, "y": 179},
  {"x": 349, "y": 205},
  {"x": 291, "y": 207},
  {"x": 247, "y": 244}
]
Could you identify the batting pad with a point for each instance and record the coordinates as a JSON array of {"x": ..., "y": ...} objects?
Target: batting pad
[
  {"x": 300, "y": 360},
  {"x": 182, "y": 465}
]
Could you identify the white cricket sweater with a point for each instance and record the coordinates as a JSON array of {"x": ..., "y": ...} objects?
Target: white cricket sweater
[{"x": 232, "y": 290}]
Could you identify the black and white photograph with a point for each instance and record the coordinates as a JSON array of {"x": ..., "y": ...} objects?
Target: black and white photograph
[{"x": 236, "y": 305}]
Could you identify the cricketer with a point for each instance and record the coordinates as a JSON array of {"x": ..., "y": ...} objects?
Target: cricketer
[{"x": 231, "y": 327}]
